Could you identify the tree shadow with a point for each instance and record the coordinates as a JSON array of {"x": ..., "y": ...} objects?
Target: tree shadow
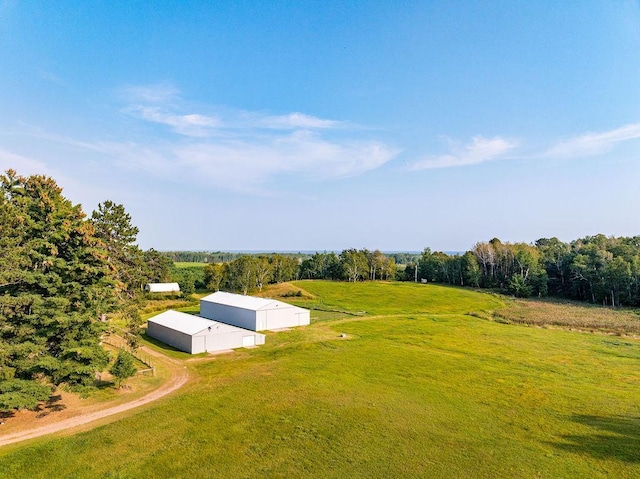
[
  {"x": 6, "y": 415},
  {"x": 616, "y": 437},
  {"x": 99, "y": 383},
  {"x": 53, "y": 404}
]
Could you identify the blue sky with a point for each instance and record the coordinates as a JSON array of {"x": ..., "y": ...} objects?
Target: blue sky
[{"x": 329, "y": 125}]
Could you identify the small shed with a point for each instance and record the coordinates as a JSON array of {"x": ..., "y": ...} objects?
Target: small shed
[
  {"x": 249, "y": 312},
  {"x": 193, "y": 334},
  {"x": 162, "y": 288}
]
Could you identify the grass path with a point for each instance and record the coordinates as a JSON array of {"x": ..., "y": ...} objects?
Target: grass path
[{"x": 179, "y": 375}]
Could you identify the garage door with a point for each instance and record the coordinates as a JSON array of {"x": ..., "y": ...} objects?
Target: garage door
[{"x": 248, "y": 341}]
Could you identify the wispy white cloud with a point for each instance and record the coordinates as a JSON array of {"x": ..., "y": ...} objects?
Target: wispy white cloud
[
  {"x": 192, "y": 124},
  {"x": 590, "y": 144},
  {"x": 479, "y": 150},
  {"x": 162, "y": 104},
  {"x": 297, "y": 120},
  {"x": 238, "y": 149},
  {"x": 22, "y": 164},
  {"x": 251, "y": 165}
]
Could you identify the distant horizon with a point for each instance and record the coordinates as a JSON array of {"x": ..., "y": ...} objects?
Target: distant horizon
[{"x": 312, "y": 251}]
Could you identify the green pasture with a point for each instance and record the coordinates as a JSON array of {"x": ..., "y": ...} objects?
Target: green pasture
[
  {"x": 417, "y": 388},
  {"x": 182, "y": 264},
  {"x": 392, "y": 298}
]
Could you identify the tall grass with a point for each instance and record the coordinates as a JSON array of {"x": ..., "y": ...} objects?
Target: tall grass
[{"x": 570, "y": 315}]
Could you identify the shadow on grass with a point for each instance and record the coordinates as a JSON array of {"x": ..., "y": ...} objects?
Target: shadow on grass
[
  {"x": 158, "y": 344},
  {"x": 101, "y": 384},
  {"x": 616, "y": 437},
  {"x": 166, "y": 349}
]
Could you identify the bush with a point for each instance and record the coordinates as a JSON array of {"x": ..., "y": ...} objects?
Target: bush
[{"x": 123, "y": 367}]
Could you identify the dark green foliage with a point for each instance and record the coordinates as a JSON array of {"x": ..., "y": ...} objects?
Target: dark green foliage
[
  {"x": 242, "y": 274},
  {"x": 321, "y": 266},
  {"x": 22, "y": 394},
  {"x": 189, "y": 279},
  {"x": 409, "y": 273},
  {"x": 158, "y": 266},
  {"x": 54, "y": 282},
  {"x": 283, "y": 268},
  {"x": 598, "y": 269},
  {"x": 118, "y": 236},
  {"x": 213, "y": 276},
  {"x": 129, "y": 267},
  {"x": 123, "y": 367},
  {"x": 219, "y": 256}
]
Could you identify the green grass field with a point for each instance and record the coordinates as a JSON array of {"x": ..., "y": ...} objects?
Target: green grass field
[
  {"x": 417, "y": 388},
  {"x": 179, "y": 264}
]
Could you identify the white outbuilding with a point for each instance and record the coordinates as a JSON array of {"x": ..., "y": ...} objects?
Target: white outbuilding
[
  {"x": 162, "y": 288},
  {"x": 193, "y": 334},
  {"x": 249, "y": 312}
]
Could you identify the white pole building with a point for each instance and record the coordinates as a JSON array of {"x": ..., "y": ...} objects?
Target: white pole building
[
  {"x": 162, "y": 288},
  {"x": 249, "y": 312},
  {"x": 193, "y": 334}
]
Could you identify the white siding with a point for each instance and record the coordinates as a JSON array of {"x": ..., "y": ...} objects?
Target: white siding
[
  {"x": 247, "y": 312},
  {"x": 198, "y": 344},
  {"x": 242, "y": 318},
  {"x": 303, "y": 317},
  {"x": 193, "y": 334},
  {"x": 162, "y": 287},
  {"x": 176, "y": 339}
]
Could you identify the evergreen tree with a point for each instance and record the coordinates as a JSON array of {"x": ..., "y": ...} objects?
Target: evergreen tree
[{"x": 54, "y": 281}]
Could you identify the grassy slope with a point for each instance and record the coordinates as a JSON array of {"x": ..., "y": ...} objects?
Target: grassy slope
[{"x": 429, "y": 392}]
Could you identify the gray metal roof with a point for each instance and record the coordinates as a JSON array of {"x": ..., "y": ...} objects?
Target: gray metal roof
[
  {"x": 241, "y": 301},
  {"x": 188, "y": 323}
]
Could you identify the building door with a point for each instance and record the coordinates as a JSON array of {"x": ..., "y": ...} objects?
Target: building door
[{"x": 199, "y": 345}]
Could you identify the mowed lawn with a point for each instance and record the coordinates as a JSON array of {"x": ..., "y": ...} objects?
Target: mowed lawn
[{"x": 417, "y": 388}]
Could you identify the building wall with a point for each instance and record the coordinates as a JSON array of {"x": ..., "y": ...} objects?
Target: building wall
[
  {"x": 216, "y": 341},
  {"x": 279, "y": 318},
  {"x": 303, "y": 317},
  {"x": 243, "y": 318},
  {"x": 171, "y": 337}
]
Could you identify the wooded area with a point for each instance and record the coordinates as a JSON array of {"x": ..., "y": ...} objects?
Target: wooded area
[{"x": 598, "y": 269}]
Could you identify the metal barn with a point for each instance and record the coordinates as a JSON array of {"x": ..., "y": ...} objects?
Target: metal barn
[
  {"x": 193, "y": 334},
  {"x": 162, "y": 288},
  {"x": 249, "y": 312}
]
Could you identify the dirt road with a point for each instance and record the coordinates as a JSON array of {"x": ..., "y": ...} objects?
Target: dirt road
[{"x": 179, "y": 376}]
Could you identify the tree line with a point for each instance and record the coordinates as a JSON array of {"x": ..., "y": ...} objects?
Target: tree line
[
  {"x": 252, "y": 272},
  {"x": 215, "y": 256},
  {"x": 597, "y": 269}
]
